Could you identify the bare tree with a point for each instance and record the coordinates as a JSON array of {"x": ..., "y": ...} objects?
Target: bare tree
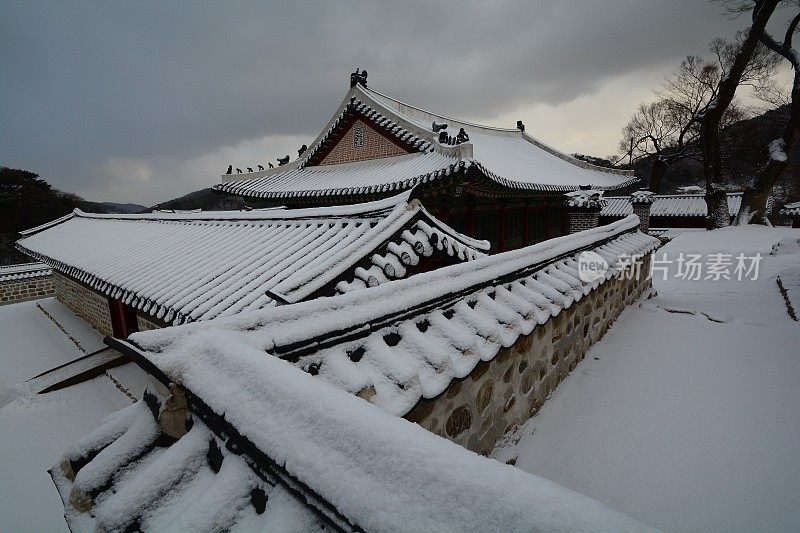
[
  {"x": 754, "y": 199},
  {"x": 667, "y": 130},
  {"x": 711, "y": 118}
]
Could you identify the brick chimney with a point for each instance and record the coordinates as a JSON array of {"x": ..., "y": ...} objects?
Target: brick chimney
[
  {"x": 583, "y": 208},
  {"x": 642, "y": 201}
]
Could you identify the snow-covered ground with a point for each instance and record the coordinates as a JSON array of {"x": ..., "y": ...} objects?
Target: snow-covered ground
[
  {"x": 36, "y": 429},
  {"x": 687, "y": 414}
]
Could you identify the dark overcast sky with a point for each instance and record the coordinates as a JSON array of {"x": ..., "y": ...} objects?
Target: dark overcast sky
[{"x": 142, "y": 102}]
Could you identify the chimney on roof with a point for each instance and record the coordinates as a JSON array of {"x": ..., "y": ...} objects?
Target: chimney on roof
[{"x": 520, "y": 125}]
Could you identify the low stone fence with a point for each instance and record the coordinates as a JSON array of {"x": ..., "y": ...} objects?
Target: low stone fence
[
  {"x": 92, "y": 306},
  {"x": 30, "y": 281},
  {"x": 503, "y": 393}
]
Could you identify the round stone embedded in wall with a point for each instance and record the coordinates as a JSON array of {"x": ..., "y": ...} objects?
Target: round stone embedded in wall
[
  {"x": 421, "y": 411},
  {"x": 484, "y": 395},
  {"x": 480, "y": 370},
  {"x": 527, "y": 382},
  {"x": 460, "y": 420},
  {"x": 453, "y": 389}
]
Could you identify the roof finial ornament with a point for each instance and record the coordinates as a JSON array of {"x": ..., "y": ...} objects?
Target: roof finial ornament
[
  {"x": 250, "y": 169},
  {"x": 260, "y": 167},
  {"x": 283, "y": 160},
  {"x": 462, "y": 136},
  {"x": 302, "y": 150},
  {"x": 520, "y": 126},
  {"x": 230, "y": 169},
  {"x": 438, "y": 127},
  {"x": 357, "y": 78},
  {"x": 238, "y": 170},
  {"x": 271, "y": 165}
]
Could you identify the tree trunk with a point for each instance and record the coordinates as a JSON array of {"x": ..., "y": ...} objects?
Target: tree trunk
[
  {"x": 657, "y": 174},
  {"x": 717, "y": 202},
  {"x": 710, "y": 122},
  {"x": 754, "y": 199}
]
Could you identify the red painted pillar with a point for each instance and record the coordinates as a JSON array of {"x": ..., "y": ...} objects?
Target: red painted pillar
[
  {"x": 471, "y": 220},
  {"x": 525, "y": 229},
  {"x": 501, "y": 229},
  {"x": 546, "y": 220}
]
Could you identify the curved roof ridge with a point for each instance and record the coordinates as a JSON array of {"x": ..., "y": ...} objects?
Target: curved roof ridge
[
  {"x": 372, "y": 209},
  {"x": 437, "y": 115},
  {"x": 493, "y": 130}
]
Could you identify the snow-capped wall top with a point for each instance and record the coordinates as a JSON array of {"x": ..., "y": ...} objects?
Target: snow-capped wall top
[
  {"x": 24, "y": 271},
  {"x": 585, "y": 199},
  {"x": 409, "y": 339},
  {"x": 669, "y": 205},
  {"x": 792, "y": 210},
  {"x": 292, "y": 453},
  {"x": 509, "y": 157},
  {"x": 194, "y": 266}
]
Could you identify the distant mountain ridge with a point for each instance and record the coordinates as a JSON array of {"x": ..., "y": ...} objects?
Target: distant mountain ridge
[{"x": 113, "y": 207}]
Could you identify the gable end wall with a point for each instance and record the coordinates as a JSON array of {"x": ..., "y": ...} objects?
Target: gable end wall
[{"x": 375, "y": 146}]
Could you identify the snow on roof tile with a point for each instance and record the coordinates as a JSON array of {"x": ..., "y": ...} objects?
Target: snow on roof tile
[
  {"x": 24, "y": 271},
  {"x": 490, "y": 303},
  {"x": 137, "y": 484},
  {"x": 351, "y": 464},
  {"x": 671, "y": 205},
  {"x": 792, "y": 209},
  {"x": 194, "y": 266},
  {"x": 507, "y": 156},
  {"x": 377, "y": 175}
]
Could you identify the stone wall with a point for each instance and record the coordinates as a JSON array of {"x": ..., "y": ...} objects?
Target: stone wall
[
  {"x": 19, "y": 290},
  {"x": 146, "y": 323},
  {"x": 501, "y": 394},
  {"x": 372, "y": 145},
  {"x": 84, "y": 302}
]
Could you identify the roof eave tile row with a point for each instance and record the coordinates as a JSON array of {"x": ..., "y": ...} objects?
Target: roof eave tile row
[
  {"x": 24, "y": 271},
  {"x": 240, "y": 187}
]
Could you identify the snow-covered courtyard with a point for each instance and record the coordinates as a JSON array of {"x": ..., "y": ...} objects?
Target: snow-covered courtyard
[
  {"x": 686, "y": 415},
  {"x": 35, "y": 429}
]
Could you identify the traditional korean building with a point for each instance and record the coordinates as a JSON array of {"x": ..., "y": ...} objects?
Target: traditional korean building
[
  {"x": 299, "y": 417},
  {"x": 497, "y": 184},
  {"x": 125, "y": 273}
]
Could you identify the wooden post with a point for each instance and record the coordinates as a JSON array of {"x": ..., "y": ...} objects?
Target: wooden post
[
  {"x": 526, "y": 234},
  {"x": 501, "y": 229}
]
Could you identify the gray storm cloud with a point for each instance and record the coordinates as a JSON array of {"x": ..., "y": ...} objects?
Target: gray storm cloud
[{"x": 145, "y": 101}]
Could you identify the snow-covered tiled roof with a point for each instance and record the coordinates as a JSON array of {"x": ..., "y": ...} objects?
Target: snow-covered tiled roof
[
  {"x": 669, "y": 205},
  {"x": 272, "y": 449},
  {"x": 169, "y": 487},
  {"x": 407, "y": 340},
  {"x": 374, "y": 176},
  {"x": 194, "y": 266},
  {"x": 24, "y": 271},
  {"x": 509, "y": 157},
  {"x": 792, "y": 210}
]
